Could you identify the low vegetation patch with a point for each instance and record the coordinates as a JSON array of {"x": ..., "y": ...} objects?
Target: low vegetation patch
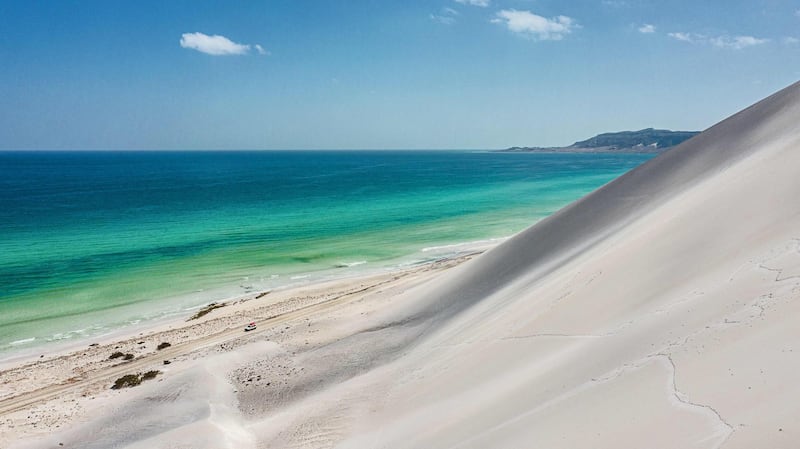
[
  {"x": 120, "y": 355},
  {"x": 132, "y": 380},
  {"x": 127, "y": 381},
  {"x": 151, "y": 374},
  {"x": 163, "y": 345},
  {"x": 206, "y": 310}
]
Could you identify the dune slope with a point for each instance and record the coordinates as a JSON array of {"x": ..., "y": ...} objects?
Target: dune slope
[{"x": 658, "y": 311}]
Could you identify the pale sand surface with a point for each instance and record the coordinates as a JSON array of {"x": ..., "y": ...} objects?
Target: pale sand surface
[
  {"x": 41, "y": 396},
  {"x": 660, "y": 311}
]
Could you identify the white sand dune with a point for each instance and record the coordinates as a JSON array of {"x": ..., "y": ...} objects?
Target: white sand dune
[{"x": 661, "y": 311}]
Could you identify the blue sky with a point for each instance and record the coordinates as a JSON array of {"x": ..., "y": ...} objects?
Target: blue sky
[{"x": 380, "y": 74}]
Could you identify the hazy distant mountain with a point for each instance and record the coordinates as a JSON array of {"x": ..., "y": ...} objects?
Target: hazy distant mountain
[{"x": 644, "y": 141}]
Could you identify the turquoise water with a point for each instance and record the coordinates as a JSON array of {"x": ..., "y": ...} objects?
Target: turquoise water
[{"x": 94, "y": 241}]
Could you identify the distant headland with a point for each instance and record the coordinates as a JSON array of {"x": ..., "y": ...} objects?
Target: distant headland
[{"x": 643, "y": 141}]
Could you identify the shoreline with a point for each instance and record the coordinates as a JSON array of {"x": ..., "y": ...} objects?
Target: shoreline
[
  {"x": 225, "y": 294},
  {"x": 70, "y": 380}
]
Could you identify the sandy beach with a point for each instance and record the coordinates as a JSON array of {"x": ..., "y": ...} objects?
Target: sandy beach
[
  {"x": 660, "y": 311},
  {"x": 70, "y": 385}
]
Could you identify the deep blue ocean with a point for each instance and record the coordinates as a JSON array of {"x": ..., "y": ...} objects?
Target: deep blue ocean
[{"x": 94, "y": 241}]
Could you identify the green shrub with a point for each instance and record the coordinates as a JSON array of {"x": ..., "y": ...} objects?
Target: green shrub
[
  {"x": 126, "y": 381},
  {"x": 163, "y": 345},
  {"x": 116, "y": 355},
  {"x": 132, "y": 380},
  {"x": 150, "y": 374},
  {"x": 128, "y": 357}
]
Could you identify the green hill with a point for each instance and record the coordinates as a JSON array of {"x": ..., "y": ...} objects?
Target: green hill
[{"x": 643, "y": 141}]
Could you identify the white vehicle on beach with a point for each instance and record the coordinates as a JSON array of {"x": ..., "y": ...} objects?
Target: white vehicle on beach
[{"x": 250, "y": 326}]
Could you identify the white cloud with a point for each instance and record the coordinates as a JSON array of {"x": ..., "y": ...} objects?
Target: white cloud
[
  {"x": 447, "y": 16},
  {"x": 217, "y": 45},
  {"x": 685, "y": 37},
  {"x": 647, "y": 28},
  {"x": 737, "y": 42},
  {"x": 733, "y": 42},
  {"x": 789, "y": 40},
  {"x": 535, "y": 26},
  {"x": 481, "y": 3}
]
